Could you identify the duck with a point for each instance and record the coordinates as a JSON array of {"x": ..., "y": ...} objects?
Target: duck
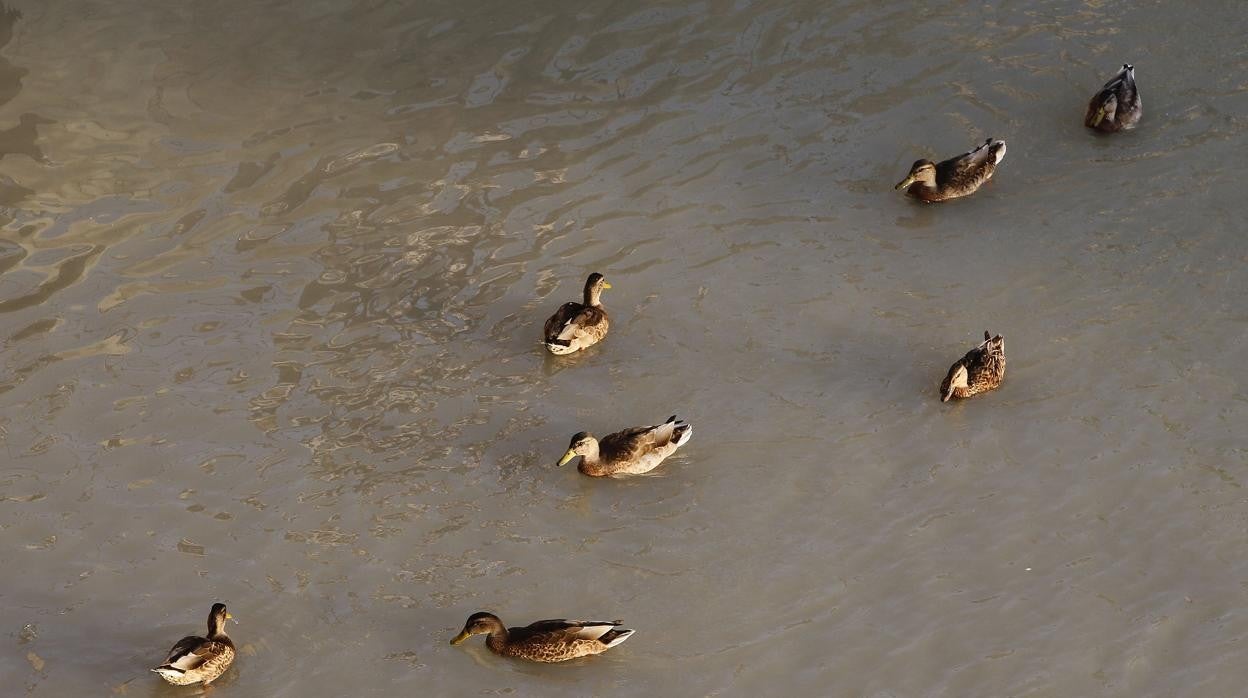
[
  {"x": 959, "y": 176},
  {"x": 576, "y": 326},
  {"x": 1117, "y": 106},
  {"x": 555, "y": 640},
  {"x": 632, "y": 451},
  {"x": 200, "y": 659},
  {"x": 981, "y": 370}
]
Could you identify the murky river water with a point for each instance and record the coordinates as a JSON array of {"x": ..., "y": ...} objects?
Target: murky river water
[{"x": 273, "y": 275}]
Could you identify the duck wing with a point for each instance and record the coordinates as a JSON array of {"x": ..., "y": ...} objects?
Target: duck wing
[
  {"x": 562, "y": 325},
  {"x": 976, "y": 355},
  {"x": 1120, "y": 86},
  {"x": 576, "y": 626},
  {"x": 190, "y": 652},
  {"x": 1102, "y": 109},
  {"x": 563, "y": 629},
  {"x": 988, "y": 357},
  {"x": 1117, "y": 105},
  {"x": 634, "y": 442},
  {"x": 1128, "y": 99},
  {"x": 964, "y": 166}
]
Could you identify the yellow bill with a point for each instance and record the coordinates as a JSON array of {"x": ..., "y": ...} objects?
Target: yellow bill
[
  {"x": 567, "y": 457},
  {"x": 463, "y": 635}
]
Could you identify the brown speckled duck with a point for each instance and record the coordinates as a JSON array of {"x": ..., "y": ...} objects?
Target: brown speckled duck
[
  {"x": 576, "y": 326},
  {"x": 981, "y": 370},
  {"x": 1117, "y": 106},
  {"x": 955, "y": 177},
  {"x": 200, "y": 659},
  {"x": 629, "y": 452},
  {"x": 546, "y": 640}
]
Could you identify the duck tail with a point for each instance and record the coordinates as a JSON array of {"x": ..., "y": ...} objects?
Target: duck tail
[
  {"x": 168, "y": 671},
  {"x": 681, "y": 432},
  {"x": 615, "y": 636}
]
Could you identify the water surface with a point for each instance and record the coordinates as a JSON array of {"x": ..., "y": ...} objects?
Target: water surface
[{"x": 272, "y": 277}]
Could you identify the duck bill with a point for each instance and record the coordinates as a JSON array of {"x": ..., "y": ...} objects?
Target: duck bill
[
  {"x": 567, "y": 457},
  {"x": 606, "y": 284},
  {"x": 463, "y": 635},
  {"x": 905, "y": 182},
  {"x": 948, "y": 394}
]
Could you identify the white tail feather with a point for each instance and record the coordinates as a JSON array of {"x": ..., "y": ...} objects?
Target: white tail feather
[
  {"x": 624, "y": 635},
  {"x": 666, "y": 432},
  {"x": 169, "y": 672},
  {"x": 684, "y": 436},
  {"x": 593, "y": 632}
]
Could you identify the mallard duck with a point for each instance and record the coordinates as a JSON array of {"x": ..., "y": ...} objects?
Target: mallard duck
[
  {"x": 200, "y": 659},
  {"x": 546, "y": 640},
  {"x": 629, "y": 452},
  {"x": 1117, "y": 106},
  {"x": 576, "y": 326},
  {"x": 960, "y": 176},
  {"x": 978, "y": 372}
]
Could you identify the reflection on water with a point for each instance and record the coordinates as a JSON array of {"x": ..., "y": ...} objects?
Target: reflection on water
[{"x": 272, "y": 279}]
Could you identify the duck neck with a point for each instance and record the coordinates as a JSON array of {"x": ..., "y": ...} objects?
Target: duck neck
[
  {"x": 591, "y": 462},
  {"x": 593, "y": 296},
  {"x": 216, "y": 630},
  {"x": 497, "y": 639},
  {"x": 925, "y": 191}
]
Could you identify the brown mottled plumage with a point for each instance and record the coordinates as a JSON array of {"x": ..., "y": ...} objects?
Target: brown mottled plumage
[
  {"x": 629, "y": 452},
  {"x": 1117, "y": 107},
  {"x": 954, "y": 177},
  {"x": 981, "y": 370},
  {"x": 200, "y": 659},
  {"x": 546, "y": 640},
  {"x": 576, "y": 326}
]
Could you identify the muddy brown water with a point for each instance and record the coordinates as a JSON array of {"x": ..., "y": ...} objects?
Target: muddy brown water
[{"x": 272, "y": 276}]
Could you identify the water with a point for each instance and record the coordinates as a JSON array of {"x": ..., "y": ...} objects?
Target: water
[{"x": 273, "y": 276}]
